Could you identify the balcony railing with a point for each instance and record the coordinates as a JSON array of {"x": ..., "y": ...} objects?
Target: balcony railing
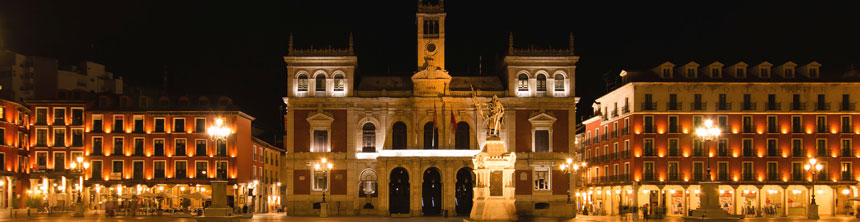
[
  {"x": 673, "y": 106},
  {"x": 748, "y": 106},
  {"x": 625, "y": 110},
  {"x": 698, "y": 106},
  {"x": 845, "y": 176},
  {"x": 724, "y": 106},
  {"x": 798, "y": 106},
  {"x": 624, "y": 154},
  {"x": 846, "y": 106},
  {"x": 649, "y": 106},
  {"x": 822, "y": 106},
  {"x": 774, "y": 106},
  {"x": 625, "y": 131}
]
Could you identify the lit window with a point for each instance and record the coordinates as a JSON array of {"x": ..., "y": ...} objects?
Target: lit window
[
  {"x": 320, "y": 181},
  {"x": 338, "y": 82},
  {"x": 523, "y": 82},
  {"x": 559, "y": 82},
  {"x": 542, "y": 178},
  {"x": 303, "y": 83}
]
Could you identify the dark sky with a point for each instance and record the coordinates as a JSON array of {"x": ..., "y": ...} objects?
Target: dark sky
[{"x": 235, "y": 48}]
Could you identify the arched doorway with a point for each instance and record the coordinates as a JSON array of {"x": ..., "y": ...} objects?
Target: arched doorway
[
  {"x": 463, "y": 191},
  {"x": 398, "y": 191},
  {"x": 431, "y": 192}
]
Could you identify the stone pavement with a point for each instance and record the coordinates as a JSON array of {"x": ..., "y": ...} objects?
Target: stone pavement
[{"x": 282, "y": 217}]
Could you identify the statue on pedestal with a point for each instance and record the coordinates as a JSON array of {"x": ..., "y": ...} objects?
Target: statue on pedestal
[{"x": 494, "y": 169}]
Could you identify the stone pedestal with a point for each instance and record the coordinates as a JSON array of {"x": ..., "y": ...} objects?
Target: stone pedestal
[
  {"x": 80, "y": 209},
  {"x": 494, "y": 189},
  {"x": 572, "y": 208},
  {"x": 710, "y": 206},
  {"x": 218, "y": 211},
  {"x": 812, "y": 212},
  {"x": 323, "y": 209}
]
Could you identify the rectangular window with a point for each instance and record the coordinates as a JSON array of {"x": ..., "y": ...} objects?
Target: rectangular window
[
  {"x": 845, "y": 172},
  {"x": 698, "y": 171},
  {"x": 542, "y": 178},
  {"x": 648, "y": 147},
  {"x": 138, "y": 124},
  {"x": 772, "y": 171},
  {"x": 772, "y": 148},
  {"x": 97, "y": 146},
  {"x": 748, "y": 105},
  {"x": 795, "y": 102},
  {"x": 180, "y": 170},
  {"x": 201, "y": 168},
  {"x": 320, "y": 181},
  {"x": 118, "y": 125},
  {"x": 648, "y": 171},
  {"x": 821, "y": 104},
  {"x": 117, "y": 170},
  {"x": 764, "y": 73},
  {"x": 845, "y": 149},
  {"x": 821, "y": 148},
  {"x": 649, "y": 102},
  {"x": 771, "y": 102},
  {"x": 673, "y": 125},
  {"x": 747, "y": 171},
  {"x": 221, "y": 170},
  {"x": 59, "y": 116},
  {"x": 797, "y": 171},
  {"x": 179, "y": 147},
  {"x": 772, "y": 125},
  {"x": 541, "y": 141},
  {"x": 846, "y": 103},
  {"x": 721, "y": 103},
  {"x": 77, "y": 117},
  {"x": 97, "y": 126},
  {"x": 723, "y": 147},
  {"x": 796, "y": 125},
  {"x": 41, "y": 116},
  {"x": 42, "y": 160},
  {"x": 221, "y": 148},
  {"x": 648, "y": 124},
  {"x": 673, "y": 147},
  {"x": 59, "y": 161},
  {"x": 200, "y": 148},
  {"x": 747, "y": 147},
  {"x": 159, "y": 125},
  {"x": 723, "y": 171},
  {"x": 199, "y": 125},
  {"x": 178, "y": 125},
  {"x": 697, "y": 102},
  {"x": 797, "y": 148},
  {"x": 59, "y": 137},
  {"x": 158, "y": 147},
  {"x": 96, "y": 166},
  {"x": 117, "y": 146},
  {"x": 320, "y": 141},
  {"x": 673, "y": 171},
  {"x": 698, "y": 150},
  {"x": 158, "y": 169},
  {"x": 821, "y": 124},
  {"x": 748, "y": 124},
  {"x": 77, "y": 137},
  {"x": 723, "y": 122},
  {"x": 846, "y": 124},
  {"x": 697, "y": 121},
  {"x": 673, "y": 102},
  {"x": 138, "y": 147}
]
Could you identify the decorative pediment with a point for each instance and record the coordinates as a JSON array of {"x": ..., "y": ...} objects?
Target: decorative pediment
[
  {"x": 542, "y": 119},
  {"x": 320, "y": 118},
  {"x": 430, "y": 82}
]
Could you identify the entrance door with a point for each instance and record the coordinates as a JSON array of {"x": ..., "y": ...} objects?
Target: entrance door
[
  {"x": 464, "y": 188},
  {"x": 398, "y": 192},
  {"x": 431, "y": 193}
]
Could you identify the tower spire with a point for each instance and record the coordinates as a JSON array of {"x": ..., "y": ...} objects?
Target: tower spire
[
  {"x": 570, "y": 44},
  {"x": 350, "y": 44},
  {"x": 510, "y": 43},
  {"x": 290, "y": 44}
]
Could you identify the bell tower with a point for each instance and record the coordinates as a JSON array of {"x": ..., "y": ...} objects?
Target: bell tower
[{"x": 430, "y": 21}]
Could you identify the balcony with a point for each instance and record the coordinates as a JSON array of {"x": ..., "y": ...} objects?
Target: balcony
[
  {"x": 625, "y": 110},
  {"x": 673, "y": 106},
  {"x": 846, "y": 106},
  {"x": 772, "y": 177},
  {"x": 624, "y": 154},
  {"x": 614, "y": 113},
  {"x": 820, "y": 106},
  {"x": 747, "y": 177},
  {"x": 845, "y": 176},
  {"x": 613, "y": 134},
  {"x": 798, "y": 106},
  {"x": 724, "y": 106},
  {"x": 604, "y": 137},
  {"x": 773, "y": 106},
  {"x": 698, "y": 106},
  {"x": 845, "y": 153},
  {"x": 648, "y": 177},
  {"x": 649, "y": 106},
  {"x": 625, "y": 131},
  {"x": 748, "y": 106}
]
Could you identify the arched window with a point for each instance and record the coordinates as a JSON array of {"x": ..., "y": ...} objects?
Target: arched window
[
  {"x": 398, "y": 136},
  {"x": 368, "y": 138},
  {"x": 368, "y": 186},
  {"x": 541, "y": 83},
  {"x": 461, "y": 137},
  {"x": 523, "y": 82},
  {"x": 559, "y": 82},
  {"x": 338, "y": 82},
  {"x": 320, "y": 83},
  {"x": 303, "y": 83},
  {"x": 431, "y": 136}
]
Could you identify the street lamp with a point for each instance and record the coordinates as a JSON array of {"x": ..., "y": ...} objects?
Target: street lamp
[
  {"x": 324, "y": 167},
  {"x": 708, "y": 133},
  {"x": 571, "y": 168},
  {"x": 814, "y": 168}
]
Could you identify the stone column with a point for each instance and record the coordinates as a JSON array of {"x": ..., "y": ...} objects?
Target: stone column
[
  {"x": 735, "y": 200},
  {"x": 784, "y": 201},
  {"x": 835, "y": 207},
  {"x": 758, "y": 201}
]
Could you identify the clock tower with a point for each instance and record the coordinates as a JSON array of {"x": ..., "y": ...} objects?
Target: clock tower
[{"x": 430, "y": 21}]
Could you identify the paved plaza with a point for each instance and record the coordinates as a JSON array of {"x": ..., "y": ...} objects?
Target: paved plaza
[{"x": 281, "y": 217}]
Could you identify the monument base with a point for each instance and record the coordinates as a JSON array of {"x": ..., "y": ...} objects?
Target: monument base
[
  {"x": 494, "y": 210},
  {"x": 710, "y": 210},
  {"x": 213, "y": 214},
  {"x": 812, "y": 212},
  {"x": 79, "y": 209},
  {"x": 323, "y": 209}
]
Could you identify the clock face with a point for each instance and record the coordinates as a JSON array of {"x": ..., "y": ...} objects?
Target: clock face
[{"x": 431, "y": 47}]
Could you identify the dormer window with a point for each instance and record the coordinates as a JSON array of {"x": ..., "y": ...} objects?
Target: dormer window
[
  {"x": 338, "y": 82},
  {"x": 715, "y": 73},
  {"x": 813, "y": 72},
  {"x": 523, "y": 82},
  {"x": 303, "y": 83},
  {"x": 667, "y": 73},
  {"x": 691, "y": 73},
  {"x": 789, "y": 73},
  {"x": 763, "y": 73},
  {"x": 740, "y": 73}
]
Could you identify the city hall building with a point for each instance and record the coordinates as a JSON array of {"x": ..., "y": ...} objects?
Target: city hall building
[
  {"x": 641, "y": 146},
  {"x": 404, "y": 145}
]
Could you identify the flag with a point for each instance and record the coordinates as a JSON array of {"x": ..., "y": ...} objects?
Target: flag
[
  {"x": 434, "y": 115},
  {"x": 453, "y": 123},
  {"x": 415, "y": 123}
]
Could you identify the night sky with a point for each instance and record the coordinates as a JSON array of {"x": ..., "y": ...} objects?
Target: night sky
[{"x": 235, "y": 48}]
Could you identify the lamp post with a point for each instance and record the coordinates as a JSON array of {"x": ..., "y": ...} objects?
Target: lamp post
[
  {"x": 708, "y": 133},
  {"x": 219, "y": 133},
  {"x": 79, "y": 167},
  {"x": 324, "y": 167},
  {"x": 571, "y": 168},
  {"x": 814, "y": 168}
]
